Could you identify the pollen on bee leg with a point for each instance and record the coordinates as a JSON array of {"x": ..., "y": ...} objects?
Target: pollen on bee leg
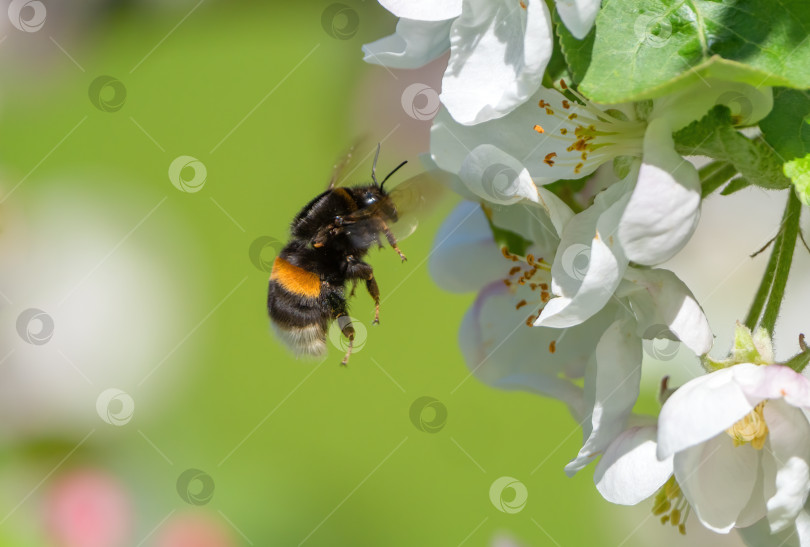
[{"x": 539, "y": 129}]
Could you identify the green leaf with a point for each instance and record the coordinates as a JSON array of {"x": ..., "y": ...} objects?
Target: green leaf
[
  {"x": 577, "y": 52},
  {"x": 786, "y": 127},
  {"x": 714, "y": 135},
  {"x": 735, "y": 186},
  {"x": 799, "y": 172},
  {"x": 648, "y": 48}
]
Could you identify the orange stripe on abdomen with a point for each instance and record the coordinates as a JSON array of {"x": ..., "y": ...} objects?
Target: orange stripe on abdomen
[{"x": 296, "y": 280}]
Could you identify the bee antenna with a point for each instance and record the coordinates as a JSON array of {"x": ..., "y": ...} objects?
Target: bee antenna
[
  {"x": 374, "y": 166},
  {"x": 388, "y": 176}
]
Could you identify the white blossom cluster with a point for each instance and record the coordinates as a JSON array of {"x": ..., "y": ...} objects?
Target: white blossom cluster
[{"x": 583, "y": 293}]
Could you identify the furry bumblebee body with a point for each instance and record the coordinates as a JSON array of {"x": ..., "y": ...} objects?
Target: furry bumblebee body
[{"x": 330, "y": 237}]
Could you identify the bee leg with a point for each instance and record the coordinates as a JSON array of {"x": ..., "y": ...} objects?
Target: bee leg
[
  {"x": 391, "y": 239},
  {"x": 348, "y": 331},
  {"x": 362, "y": 270},
  {"x": 374, "y": 291},
  {"x": 354, "y": 288}
]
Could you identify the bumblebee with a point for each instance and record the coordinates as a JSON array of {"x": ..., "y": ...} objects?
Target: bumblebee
[{"x": 329, "y": 238}]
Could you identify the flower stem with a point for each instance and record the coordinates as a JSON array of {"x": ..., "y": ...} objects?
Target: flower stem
[
  {"x": 765, "y": 285},
  {"x": 783, "y": 248}
]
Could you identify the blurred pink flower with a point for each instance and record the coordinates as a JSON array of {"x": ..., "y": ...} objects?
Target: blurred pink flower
[
  {"x": 88, "y": 508},
  {"x": 194, "y": 530}
]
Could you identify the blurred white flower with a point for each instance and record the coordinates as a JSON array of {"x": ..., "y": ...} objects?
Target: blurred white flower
[{"x": 499, "y": 49}]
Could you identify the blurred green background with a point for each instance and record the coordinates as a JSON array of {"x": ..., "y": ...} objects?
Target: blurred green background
[{"x": 154, "y": 292}]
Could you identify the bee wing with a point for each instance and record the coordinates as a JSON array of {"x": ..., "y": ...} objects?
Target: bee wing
[
  {"x": 415, "y": 198},
  {"x": 348, "y": 164}
]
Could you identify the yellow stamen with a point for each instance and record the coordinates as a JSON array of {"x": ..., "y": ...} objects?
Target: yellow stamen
[{"x": 751, "y": 429}]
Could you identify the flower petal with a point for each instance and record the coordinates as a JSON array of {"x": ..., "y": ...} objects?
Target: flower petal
[
  {"x": 502, "y": 351},
  {"x": 498, "y": 54},
  {"x": 681, "y": 108},
  {"x": 544, "y": 153},
  {"x": 414, "y": 44},
  {"x": 578, "y": 15},
  {"x": 589, "y": 263},
  {"x": 424, "y": 10},
  {"x": 661, "y": 300},
  {"x": 464, "y": 256},
  {"x": 717, "y": 479},
  {"x": 496, "y": 176},
  {"x": 664, "y": 208},
  {"x": 616, "y": 386},
  {"x": 629, "y": 472},
  {"x": 775, "y": 382},
  {"x": 789, "y": 440},
  {"x": 701, "y": 409}
]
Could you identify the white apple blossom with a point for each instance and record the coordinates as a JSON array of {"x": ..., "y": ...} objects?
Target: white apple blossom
[
  {"x": 499, "y": 49},
  {"x": 553, "y": 138},
  {"x": 605, "y": 348},
  {"x": 740, "y": 445}
]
